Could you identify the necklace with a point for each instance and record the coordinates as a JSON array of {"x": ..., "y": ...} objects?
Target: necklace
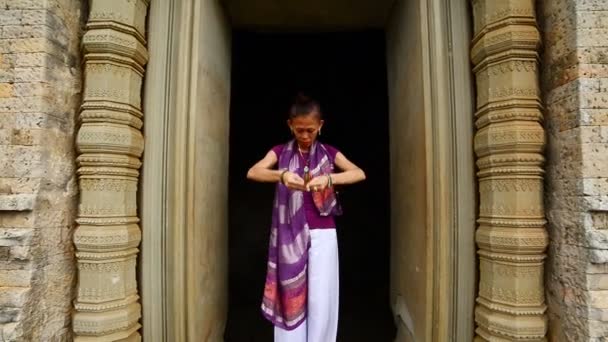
[{"x": 306, "y": 168}]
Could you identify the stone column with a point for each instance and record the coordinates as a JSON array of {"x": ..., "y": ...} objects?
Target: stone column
[
  {"x": 110, "y": 145},
  {"x": 509, "y": 146}
]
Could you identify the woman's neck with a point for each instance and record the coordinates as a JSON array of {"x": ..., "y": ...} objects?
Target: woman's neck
[{"x": 303, "y": 149}]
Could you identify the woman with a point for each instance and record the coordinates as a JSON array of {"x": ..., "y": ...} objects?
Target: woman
[{"x": 301, "y": 290}]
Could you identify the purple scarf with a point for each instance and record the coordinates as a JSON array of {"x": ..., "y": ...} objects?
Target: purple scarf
[{"x": 285, "y": 291}]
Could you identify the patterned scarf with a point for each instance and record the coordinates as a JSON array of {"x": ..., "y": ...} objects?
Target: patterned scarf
[{"x": 285, "y": 291}]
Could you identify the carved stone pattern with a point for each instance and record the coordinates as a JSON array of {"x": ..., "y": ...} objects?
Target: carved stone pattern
[
  {"x": 107, "y": 93},
  {"x": 522, "y": 39},
  {"x": 531, "y": 334},
  {"x": 494, "y": 138},
  {"x": 116, "y": 85},
  {"x": 508, "y": 116},
  {"x": 111, "y": 266},
  {"x": 104, "y": 255},
  {"x": 113, "y": 117},
  {"x": 127, "y": 163},
  {"x": 108, "y": 171},
  {"x": 540, "y": 242},
  {"x": 98, "y": 210},
  {"x": 508, "y": 12},
  {"x": 110, "y": 145},
  {"x": 106, "y": 137},
  {"x": 106, "y": 221},
  {"x": 104, "y": 37},
  {"x": 511, "y": 236},
  {"x": 84, "y": 307},
  {"x": 123, "y": 15},
  {"x": 531, "y": 35},
  {"x": 108, "y": 292},
  {"x": 511, "y": 271},
  {"x": 108, "y": 15},
  {"x": 520, "y": 223},
  {"x": 501, "y": 171},
  {"x": 501, "y": 92},
  {"x": 512, "y": 66},
  {"x": 108, "y": 326},
  {"x": 106, "y": 69},
  {"x": 113, "y": 107},
  {"x": 113, "y": 42},
  {"x": 510, "y": 296},
  {"x": 526, "y": 258},
  {"x": 510, "y": 185},
  {"x": 502, "y": 330},
  {"x": 111, "y": 238},
  {"x": 509, "y": 311},
  {"x": 83, "y": 239},
  {"x": 508, "y": 210},
  {"x": 117, "y": 185},
  {"x": 513, "y": 159},
  {"x": 100, "y": 137}
]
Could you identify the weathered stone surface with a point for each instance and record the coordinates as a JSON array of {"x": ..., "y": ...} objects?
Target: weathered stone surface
[
  {"x": 15, "y": 237},
  {"x": 8, "y": 315},
  {"x": 17, "y": 202},
  {"x": 576, "y": 91},
  {"x": 40, "y": 85},
  {"x": 13, "y": 296}
]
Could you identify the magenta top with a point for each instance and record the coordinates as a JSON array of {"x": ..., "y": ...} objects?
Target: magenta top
[{"x": 315, "y": 220}]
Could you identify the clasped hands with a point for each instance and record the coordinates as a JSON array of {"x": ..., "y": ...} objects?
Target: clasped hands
[{"x": 294, "y": 182}]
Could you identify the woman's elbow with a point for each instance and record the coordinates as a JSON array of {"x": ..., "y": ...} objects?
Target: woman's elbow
[
  {"x": 362, "y": 176},
  {"x": 251, "y": 174}
]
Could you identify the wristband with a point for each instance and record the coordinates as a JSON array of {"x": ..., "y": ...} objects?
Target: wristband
[{"x": 281, "y": 178}]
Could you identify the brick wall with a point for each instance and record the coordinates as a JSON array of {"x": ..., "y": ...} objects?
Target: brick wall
[
  {"x": 40, "y": 82},
  {"x": 575, "y": 83}
]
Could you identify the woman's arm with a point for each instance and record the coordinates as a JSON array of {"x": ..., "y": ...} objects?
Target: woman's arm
[
  {"x": 262, "y": 170},
  {"x": 351, "y": 173}
]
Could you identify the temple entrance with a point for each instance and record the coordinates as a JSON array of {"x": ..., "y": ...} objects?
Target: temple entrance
[
  {"x": 347, "y": 73},
  {"x": 393, "y": 78}
]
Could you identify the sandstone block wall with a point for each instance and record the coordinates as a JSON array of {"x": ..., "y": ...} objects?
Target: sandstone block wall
[
  {"x": 575, "y": 84},
  {"x": 40, "y": 82}
]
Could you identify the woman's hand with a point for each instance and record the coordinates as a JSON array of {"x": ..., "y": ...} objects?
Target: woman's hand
[
  {"x": 293, "y": 181},
  {"x": 318, "y": 183}
]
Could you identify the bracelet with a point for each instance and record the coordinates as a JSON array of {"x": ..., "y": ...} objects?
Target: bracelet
[
  {"x": 329, "y": 180},
  {"x": 283, "y": 174}
]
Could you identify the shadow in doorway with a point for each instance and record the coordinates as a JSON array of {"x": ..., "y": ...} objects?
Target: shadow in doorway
[{"x": 346, "y": 72}]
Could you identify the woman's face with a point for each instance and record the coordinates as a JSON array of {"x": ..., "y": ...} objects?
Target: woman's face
[{"x": 305, "y": 128}]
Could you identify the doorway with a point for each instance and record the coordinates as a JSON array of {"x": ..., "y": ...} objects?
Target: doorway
[
  {"x": 191, "y": 126},
  {"x": 346, "y": 72}
]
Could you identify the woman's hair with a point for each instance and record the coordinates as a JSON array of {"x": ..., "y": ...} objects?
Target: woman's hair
[{"x": 304, "y": 105}]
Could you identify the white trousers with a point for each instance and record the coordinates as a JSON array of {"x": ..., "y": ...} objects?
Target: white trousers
[{"x": 321, "y": 324}]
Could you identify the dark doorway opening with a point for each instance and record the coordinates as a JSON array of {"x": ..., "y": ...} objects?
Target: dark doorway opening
[{"x": 346, "y": 72}]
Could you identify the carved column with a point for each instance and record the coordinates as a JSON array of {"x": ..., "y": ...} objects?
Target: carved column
[
  {"x": 509, "y": 145},
  {"x": 110, "y": 145}
]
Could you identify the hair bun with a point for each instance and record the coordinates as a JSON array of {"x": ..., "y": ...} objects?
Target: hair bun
[
  {"x": 302, "y": 98},
  {"x": 304, "y": 105}
]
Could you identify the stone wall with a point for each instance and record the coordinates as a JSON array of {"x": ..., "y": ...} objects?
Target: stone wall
[
  {"x": 575, "y": 84},
  {"x": 39, "y": 96}
]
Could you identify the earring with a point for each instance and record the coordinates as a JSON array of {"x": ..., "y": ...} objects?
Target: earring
[{"x": 319, "y": 131}]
